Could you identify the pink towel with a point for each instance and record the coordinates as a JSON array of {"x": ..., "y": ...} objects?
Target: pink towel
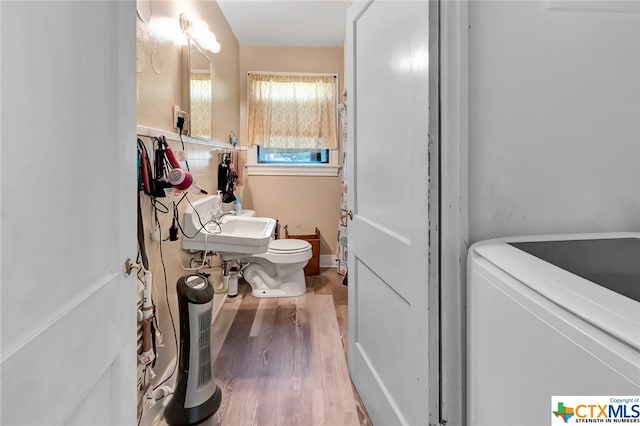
[{"x": 238, "y": 162}]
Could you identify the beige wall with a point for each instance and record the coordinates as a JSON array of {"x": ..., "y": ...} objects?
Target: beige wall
[
  {"x": 157, "y": 92},
  {"x": 300, "y": 202}
]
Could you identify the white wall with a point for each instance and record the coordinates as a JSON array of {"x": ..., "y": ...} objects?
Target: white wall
[{"x": 554, "y": 120}]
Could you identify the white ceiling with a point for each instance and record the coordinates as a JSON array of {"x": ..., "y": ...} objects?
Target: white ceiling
[{"x": 319, "y": 23}]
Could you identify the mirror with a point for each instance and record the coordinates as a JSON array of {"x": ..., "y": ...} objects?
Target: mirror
[{"x": 198, "y": 91}]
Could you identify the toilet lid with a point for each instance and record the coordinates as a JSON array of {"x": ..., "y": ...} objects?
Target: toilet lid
[{"x": 288, "y": 245}]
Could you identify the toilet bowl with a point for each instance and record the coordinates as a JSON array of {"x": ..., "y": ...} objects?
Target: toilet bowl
[{"x": 279, "y": 271}]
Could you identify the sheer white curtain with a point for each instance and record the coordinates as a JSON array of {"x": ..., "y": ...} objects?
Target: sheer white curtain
[{"x": 292, "y": 111}]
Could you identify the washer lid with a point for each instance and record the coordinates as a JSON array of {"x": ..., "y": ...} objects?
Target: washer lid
[{"x": 288, "y": 245}]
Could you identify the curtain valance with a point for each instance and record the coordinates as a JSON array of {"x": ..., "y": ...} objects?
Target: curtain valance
[{"x": 292, "y": 111}]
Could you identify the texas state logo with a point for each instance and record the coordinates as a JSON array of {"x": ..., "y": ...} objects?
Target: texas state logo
[
  {"x": 565, "y": 413},
  {"x": 595, "y": 409}
]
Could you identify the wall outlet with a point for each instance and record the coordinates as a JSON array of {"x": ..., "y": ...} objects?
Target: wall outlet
[{"x": 176, "y": 113}]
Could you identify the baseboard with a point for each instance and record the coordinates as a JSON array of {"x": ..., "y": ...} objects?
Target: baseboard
[{"x": 327, "y": 260}]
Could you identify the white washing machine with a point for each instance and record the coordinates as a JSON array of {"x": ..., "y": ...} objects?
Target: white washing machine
[{"x": 548, "y": 316}]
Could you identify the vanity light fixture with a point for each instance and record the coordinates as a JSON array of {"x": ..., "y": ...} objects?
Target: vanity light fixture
[{"x": 198, "y": 31}]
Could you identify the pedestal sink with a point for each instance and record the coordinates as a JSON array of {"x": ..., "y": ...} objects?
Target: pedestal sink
[{"x": 230, "y": 236}]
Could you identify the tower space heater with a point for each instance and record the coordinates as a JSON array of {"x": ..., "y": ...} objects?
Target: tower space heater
[{"x": 196, "y": 396}]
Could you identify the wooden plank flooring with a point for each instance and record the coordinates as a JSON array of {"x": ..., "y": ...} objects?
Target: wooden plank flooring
[{"x": 283, "y": 361}]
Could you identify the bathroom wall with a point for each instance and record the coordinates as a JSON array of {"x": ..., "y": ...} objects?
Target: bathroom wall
[
  {"x": 301, "y": 202},
  {"x": 157, "y": 93},
  {"x": 554, "y": 119}
]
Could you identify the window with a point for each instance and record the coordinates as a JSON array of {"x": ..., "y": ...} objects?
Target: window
[
  {"x": 292, "y": 156},
  {"x": 292, "y": 124}
]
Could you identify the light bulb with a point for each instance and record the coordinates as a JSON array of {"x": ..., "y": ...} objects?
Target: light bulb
[
  {"x": 200, "y": 28},
  {"x": 210, "y": 43}
]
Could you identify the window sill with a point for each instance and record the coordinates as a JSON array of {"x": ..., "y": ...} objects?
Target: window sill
[{"x": 292, "y": 170}]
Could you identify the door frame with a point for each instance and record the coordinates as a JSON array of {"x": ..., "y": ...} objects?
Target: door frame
[
  {"x": 435, "y": 219},
  {"x": 454, "y": 202}
]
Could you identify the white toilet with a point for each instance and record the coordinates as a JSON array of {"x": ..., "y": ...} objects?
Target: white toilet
[{"x": 279, "y": 271}]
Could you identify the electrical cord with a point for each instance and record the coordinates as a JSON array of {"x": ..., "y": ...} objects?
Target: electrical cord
[
  {"x": 184, "y": 195},
  {"x": 139, "y": 270},
  {"x": 173, "y": 325},
  {"x": 180, "y": 125},
  {"x": 199, "y": 229},
  {"x": 194, "y": 209},
  {"x": 186, "y": 163},
  {"x": 204, "y": 260},
  {"x": 154, "y": 202},
  {"x": 164, "y": 210},
  {"x": 202, "y": 225}
]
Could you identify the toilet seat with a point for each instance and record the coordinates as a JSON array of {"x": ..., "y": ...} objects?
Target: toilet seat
[
  {"x": 287, "y": 251},
  {"x": 288, "y": 246}
]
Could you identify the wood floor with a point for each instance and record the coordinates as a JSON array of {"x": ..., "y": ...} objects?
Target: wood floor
[{"x": 283, "y": 361}]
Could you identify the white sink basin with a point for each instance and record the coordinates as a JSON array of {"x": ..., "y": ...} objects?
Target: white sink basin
[{"x": 229, "y": 236}]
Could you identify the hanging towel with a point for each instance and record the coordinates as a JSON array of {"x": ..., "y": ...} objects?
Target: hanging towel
[{"x": 236, "y": 159}]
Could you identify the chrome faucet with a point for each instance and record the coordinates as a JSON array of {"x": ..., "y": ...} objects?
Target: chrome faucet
[{"x": 217, "y": 215}]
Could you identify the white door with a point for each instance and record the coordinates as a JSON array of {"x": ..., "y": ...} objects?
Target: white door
[
  {"x": 388, "y": 151},
  {"x": 68, "y": 213}
]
